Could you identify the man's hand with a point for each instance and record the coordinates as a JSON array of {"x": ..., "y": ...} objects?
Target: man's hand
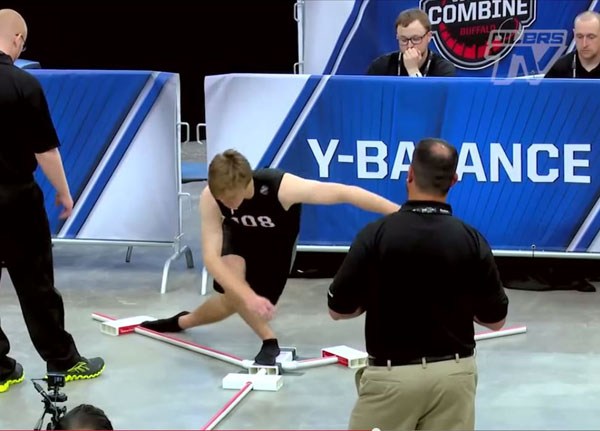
[
  {"x": 260, "y": 306},
  {"x": 411, "y": 58},
  {"x": 66, "y": 201}
]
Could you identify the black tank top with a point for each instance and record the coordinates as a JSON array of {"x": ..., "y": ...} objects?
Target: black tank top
[{"x": 261, "y": 219}]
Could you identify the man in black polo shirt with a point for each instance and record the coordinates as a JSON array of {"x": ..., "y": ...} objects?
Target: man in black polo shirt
[
  {"x": 29, "y": 139},
  {"x": 422, "y": 276},
  {"x": 584, "y": 62},
  {"x": 413, "y": 31}
]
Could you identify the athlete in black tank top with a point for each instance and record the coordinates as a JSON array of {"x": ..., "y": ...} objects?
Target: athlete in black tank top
[
  {"x": 250, "y": 220},
  {"x": 262, "y": 219}
]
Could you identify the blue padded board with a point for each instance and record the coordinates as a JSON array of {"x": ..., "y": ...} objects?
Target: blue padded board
[{"x": 193, "y": 171}]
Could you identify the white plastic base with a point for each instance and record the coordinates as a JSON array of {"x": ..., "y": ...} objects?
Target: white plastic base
[
  {"x": 291, "y": 350},
  {"x": 285, "y": 356},
  {"x": 347, "y": 356},
  {"x": 269, "y": 370},
  {"x": 260, "y": 382},
  {"x": 309, "y": 363},
  {"x": 123, "y": 326}
]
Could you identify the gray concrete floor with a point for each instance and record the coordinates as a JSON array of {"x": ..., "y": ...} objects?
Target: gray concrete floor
[{"x": 548, "y": 378}]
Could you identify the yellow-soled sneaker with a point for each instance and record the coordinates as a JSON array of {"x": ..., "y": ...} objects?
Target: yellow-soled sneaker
[
  {"x": 84, "y": 369},
  {"x": 17, "y": 376}
]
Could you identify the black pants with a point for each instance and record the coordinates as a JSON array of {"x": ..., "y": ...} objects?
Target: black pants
[{"x": 26, "y": 253}]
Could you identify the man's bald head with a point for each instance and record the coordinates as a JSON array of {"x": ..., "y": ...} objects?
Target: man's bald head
[
  {"x": 588, "y": 15},
  {"x": 13, "y": 32},
  {"x": 11, "y": 21},
  {"x": 434, "y": 165}
]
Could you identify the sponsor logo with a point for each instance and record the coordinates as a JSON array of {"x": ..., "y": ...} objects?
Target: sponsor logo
[
  {"x": 461, "y": 28},
  {"x": 534, "y": 52}
]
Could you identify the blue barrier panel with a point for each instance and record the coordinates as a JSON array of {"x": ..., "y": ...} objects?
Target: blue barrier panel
[
  {"x": 529, "y": 149},
  {"x": 119, "y": 144}
]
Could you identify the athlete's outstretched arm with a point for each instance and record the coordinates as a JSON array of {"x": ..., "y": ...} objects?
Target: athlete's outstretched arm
[{"x": 294, "y": 189}]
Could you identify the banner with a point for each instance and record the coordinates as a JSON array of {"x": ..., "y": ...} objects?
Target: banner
[
  {"x": 119, "y": 144},
  {"x": 501, "y": 38},
  {"x": 529, "y": 151}
]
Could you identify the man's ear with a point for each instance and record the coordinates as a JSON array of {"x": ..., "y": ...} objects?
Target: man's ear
[
  {"x": 454, "y": 179},
  {"x": 410, "y": 177},
  {"x": 428, "y": 37}
]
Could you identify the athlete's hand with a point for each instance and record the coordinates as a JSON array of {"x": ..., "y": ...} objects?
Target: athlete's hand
[{"x": 260, "y": 306}]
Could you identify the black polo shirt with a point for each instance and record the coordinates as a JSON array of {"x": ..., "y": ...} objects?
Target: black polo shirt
[
  {"x": 421, "y": 275},
  {"x": 27, "y": 127},
  {"x": 387, "y": 65},
  {"x": 563, "y": 68}
]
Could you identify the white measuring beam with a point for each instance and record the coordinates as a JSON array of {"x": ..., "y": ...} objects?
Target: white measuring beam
[
  {"x": 485, "y": 335},
  {"x": 231, "y": 404},
  {"x": 188, "y": 345}
]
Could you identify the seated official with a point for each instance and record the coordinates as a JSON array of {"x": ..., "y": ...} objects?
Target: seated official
[
  {"x": 413, "y": 31},
  {"x": 584, "y": 62}
]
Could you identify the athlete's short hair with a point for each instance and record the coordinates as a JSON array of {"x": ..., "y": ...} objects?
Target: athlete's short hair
[{"x": 228, "y": 171}]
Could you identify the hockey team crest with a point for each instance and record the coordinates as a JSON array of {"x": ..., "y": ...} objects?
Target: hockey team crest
[{"x": 474, "y": 34}]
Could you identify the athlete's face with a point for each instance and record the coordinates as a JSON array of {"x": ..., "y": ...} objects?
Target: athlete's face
[{"x": 233, "y": 199}]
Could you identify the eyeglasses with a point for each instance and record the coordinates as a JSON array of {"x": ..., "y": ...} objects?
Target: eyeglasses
[
  {"x": 414, "y": 39},
  {"x": 23, "y": 47}
]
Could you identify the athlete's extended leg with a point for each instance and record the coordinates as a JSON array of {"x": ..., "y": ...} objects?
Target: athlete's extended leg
[
  {"x": 214, "y": 309},
  {"x": 219, "y": 307}
]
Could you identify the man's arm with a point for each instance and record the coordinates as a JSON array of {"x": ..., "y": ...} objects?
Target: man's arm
[
  {"x": 561, "y": 68},
  {"x": 552, "y": 73},
  {"x": 52, "y": 166},
  {"x": 493, "y": 326},
  {"x": 295, "y": 190},
  {"x": 51, "y": 163},
  {"x": 491, "y": 302},
  {"x": 211, "y": 230},
  {"x": 371, "y": 70},
  {"x": 445, "y": 68},
  {"x": 44, "y": 143},
  {"x": 378, "y": 66},
  {"x": 345, "y": 296}
]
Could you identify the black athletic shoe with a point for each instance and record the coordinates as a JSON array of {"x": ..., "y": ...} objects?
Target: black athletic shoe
[
  {"x": 165, "y": 325},
  {"x": 17, "y": 376}
]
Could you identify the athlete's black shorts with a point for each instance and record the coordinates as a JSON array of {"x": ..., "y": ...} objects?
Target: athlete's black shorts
[{"x": 267, "y": 269}]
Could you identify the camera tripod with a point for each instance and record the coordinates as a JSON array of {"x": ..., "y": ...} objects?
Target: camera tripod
[{"x": 50, "y": 398}]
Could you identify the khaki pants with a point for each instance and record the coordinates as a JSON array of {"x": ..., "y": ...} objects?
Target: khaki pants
[{"x": 433, "y": 396}]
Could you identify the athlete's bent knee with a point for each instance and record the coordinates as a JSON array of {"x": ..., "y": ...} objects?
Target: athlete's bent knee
[{"x": 235, "y": 263}]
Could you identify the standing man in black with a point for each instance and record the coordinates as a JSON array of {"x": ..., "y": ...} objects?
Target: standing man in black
[
  {"x": 584, "y": 62},
  {"x": 422, "y": 276},
  {"x": 413, "y": 32},
  {"x": 28, "y": 140}
]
